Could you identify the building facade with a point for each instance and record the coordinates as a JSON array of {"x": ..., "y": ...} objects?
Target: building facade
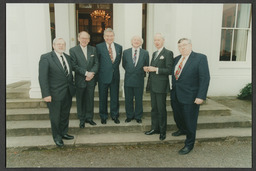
[{"x": 221, "y": 31}]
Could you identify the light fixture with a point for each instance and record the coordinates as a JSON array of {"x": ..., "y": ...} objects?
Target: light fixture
[{"x": 100, "y": 14}]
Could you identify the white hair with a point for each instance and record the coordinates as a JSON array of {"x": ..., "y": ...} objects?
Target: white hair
[
  {"x": 58, "y": 38},
  {"x": 137, "y": 36},
  {"x": 160, "y": 35},
  {"x": 109, "y": 30}
]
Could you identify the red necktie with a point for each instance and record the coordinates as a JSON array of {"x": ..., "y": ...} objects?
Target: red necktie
[{"x": 177, "y": 73}]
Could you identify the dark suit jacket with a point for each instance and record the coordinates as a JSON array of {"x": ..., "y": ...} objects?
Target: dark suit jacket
[
  {"x": 193, "y": 81},
  {"x": 159, "y": 83},
  {"x": 52, "y": 78},
  {"x": 81, "y": 65},
  {"x": 107, "y": 70},
  {"x": 134, "y": 75}
]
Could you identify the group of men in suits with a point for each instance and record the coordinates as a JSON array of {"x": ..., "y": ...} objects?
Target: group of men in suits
[{"x": 190, "y": 81}]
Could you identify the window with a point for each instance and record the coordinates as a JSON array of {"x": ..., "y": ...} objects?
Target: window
[{"x": 234, "y": 33}]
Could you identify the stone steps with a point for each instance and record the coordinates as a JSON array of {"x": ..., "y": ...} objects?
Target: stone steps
[
  {"x": 138, "y": 138},
  {"x": 210, "y": 108},
  {"x": 18, "y": 90},
  {"x": 28, "y": 125},
  {"x": 42, "y": 127}
]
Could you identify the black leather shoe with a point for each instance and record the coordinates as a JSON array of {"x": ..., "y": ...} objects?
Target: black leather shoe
[
  {"x": 104, "y": 121},
  {"x": 128, "y": 120},
  {"x": 67, "y": 137},
  {"x": 116, "y": 120},
  {"x": 138, "y": 120},
  {"x": 91, "y": 122},
  {"x": 162, "y": 137},
  {"x": 178, "y": 133},
  {"x": 185, "y": 150},
  {"x": 59, "y": 143},
  {"x": 151, "y": 132},
  {"x": 81, "y": 125}
]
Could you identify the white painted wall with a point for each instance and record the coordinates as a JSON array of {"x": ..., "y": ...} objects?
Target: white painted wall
[
  {"x": 28, "y": 37},
  {"x": 16, "y": 47},
  {"x": 202, "y": 24}
]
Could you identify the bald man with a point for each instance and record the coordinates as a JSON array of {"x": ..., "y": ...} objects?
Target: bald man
[
  {"x": 158, "y": 82},
  {"x": 133, "y": 61},
  {"x": 85, "y": 64}
]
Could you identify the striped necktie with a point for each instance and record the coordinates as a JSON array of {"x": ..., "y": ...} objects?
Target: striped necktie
[
  {"x": 64, "y": 66},
  {"x": 177, "y": 73},
  {"x": 134, "y": 57}
]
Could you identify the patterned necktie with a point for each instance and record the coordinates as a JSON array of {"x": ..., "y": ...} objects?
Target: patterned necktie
[
  {"x": 134, "y": 57},
  {"x": 177, "y": 73},
  {"x": 64, "y": 66},
  {"x": 110, "y": 53}
]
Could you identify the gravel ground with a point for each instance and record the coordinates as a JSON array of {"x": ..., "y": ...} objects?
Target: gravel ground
[
  {"x": 222, "y": 154},
  {"x": 235, "y": 154}
]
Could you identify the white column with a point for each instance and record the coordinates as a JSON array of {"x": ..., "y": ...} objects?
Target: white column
[
  {"x": 127, "y": 23},
  {"x": 38, "y": 42},
  {"x": 65, "y": 25}
]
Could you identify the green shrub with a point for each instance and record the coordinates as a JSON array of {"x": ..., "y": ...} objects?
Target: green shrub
[{"x": 246, "y": 92}]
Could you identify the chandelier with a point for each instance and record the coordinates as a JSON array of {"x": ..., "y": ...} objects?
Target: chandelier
[{"x": 100, "y": 14}]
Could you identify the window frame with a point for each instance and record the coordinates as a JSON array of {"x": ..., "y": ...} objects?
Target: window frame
[{"x": 233, "y": 36}]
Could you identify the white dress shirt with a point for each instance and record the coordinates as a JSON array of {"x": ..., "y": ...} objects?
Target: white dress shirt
[
  {"x": 113, "y": 50},
  {"x": 137, "y": 55},
  {"x": 58, "y": 55}
]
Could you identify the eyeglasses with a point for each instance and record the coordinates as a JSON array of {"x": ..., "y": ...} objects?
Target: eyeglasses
[{"x": 183, "y": 45}]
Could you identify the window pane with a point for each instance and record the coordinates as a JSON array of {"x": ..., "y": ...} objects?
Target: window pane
[
  {"x": 229, "y": 12},
  {"x": 240, "y": 45},
  {"x": 243, "y": 15},
  {"x": 225, "y": 48}
]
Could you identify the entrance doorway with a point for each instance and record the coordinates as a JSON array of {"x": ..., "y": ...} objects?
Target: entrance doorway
[{"x": 94, "y": 18}]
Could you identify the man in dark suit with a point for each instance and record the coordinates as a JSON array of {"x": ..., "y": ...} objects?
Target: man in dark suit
[
  {"x": 158, "y": 82},
  {"x": 109, "y": 55},
  {"x": 133, "y": 61},
  {"x": 190, "y": 83},
  {"x": 57, "y": 87},
  {"x": 85, "y": 64}
]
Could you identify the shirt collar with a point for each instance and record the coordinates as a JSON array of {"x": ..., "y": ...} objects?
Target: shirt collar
[
  {"x": 58, "y": 54},
  {"x": 112, "y": 44},
  {"x": 159, "y": 50}
]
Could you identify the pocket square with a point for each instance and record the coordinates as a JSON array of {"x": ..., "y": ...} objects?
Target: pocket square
[
  {"x": 92, "y": 55},
  {"x": 161, "y": 57}
]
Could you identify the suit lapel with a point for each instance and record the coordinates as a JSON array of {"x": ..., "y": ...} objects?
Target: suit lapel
[
  {"x": 159, "y": 55},
  {"x": 130, "y": 56},
  {"x": 81, "y": 53},
  {"x": 140, "y": 57},
  {"x": 187, "y": 64},
  {"x": 117, "y": 50},
  {"x": 57, "y": 61}
]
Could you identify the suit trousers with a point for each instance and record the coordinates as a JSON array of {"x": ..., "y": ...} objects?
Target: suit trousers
[
  {"x": 131, "y": 93},
  {"x": 185, "y": 116},
  {"x": 158, "y": 112},
  {"x": 59, "y": 116},
  {"x": 114, "y": 99},
  {"x": 85, "y": 103}
]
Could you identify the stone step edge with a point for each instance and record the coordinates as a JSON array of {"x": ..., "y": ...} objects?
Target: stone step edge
[
  {"x": 206, "y": 135},
  {"x": 146, "y": 121}
]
